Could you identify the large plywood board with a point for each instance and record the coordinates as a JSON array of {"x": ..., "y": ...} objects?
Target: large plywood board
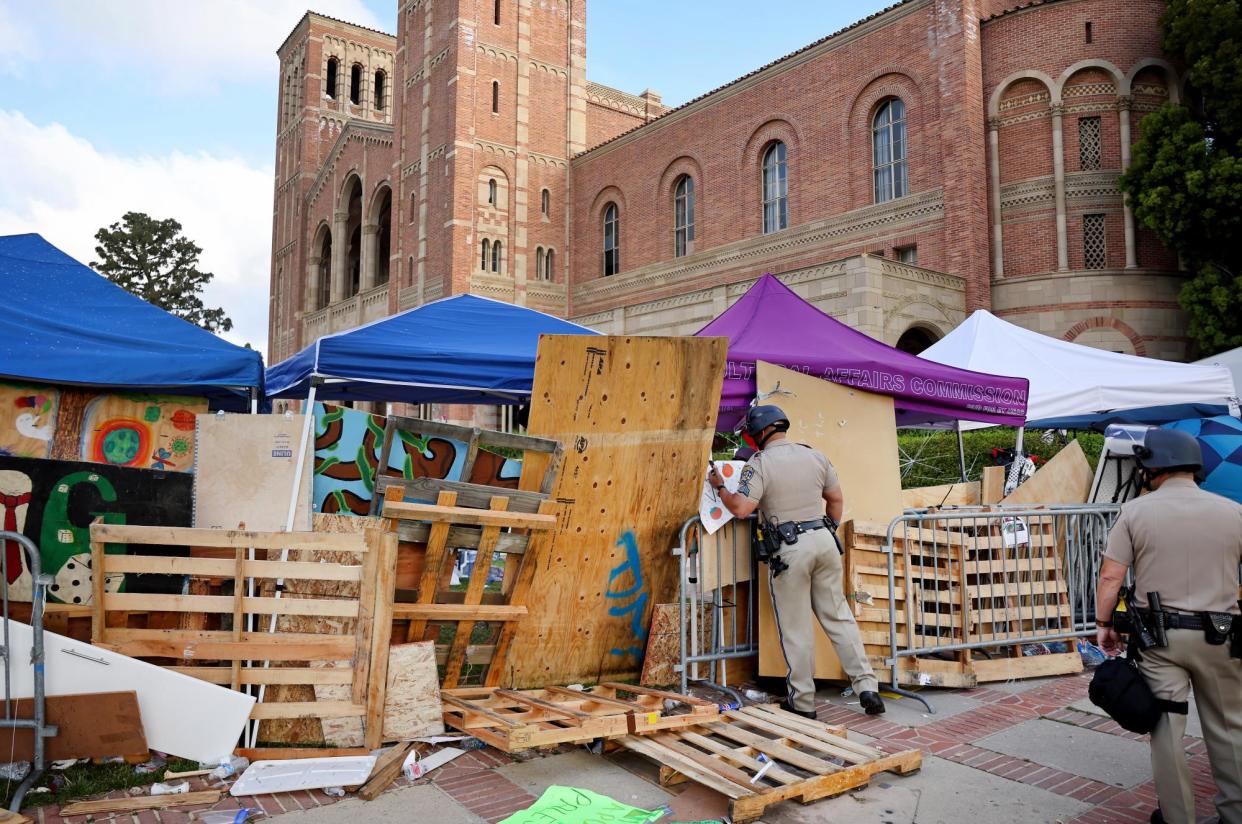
[
  {"x": 244, "y": 472},
  {"x": 636, "y": 416},
  {"x": 1066, "y": 479},
  {"x": 959, "y": 494},
  {"x": 857, "y": 430}
]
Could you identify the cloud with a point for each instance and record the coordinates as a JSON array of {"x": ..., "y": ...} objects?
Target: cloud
[
  {"x": 61, "y": 186},
  {"x": 17, "y": 43},
  {"x": 177, "y": 45}
]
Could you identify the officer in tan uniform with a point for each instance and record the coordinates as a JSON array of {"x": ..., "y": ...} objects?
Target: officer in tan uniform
[
  {"x": 792, "y": 483},
  {"x": 1184, "y": 545}
]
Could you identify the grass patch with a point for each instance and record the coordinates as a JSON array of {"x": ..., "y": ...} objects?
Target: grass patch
[{"x": 86, "y": 779}]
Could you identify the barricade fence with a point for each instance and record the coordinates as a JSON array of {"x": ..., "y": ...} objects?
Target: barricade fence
[
  {"x": 988, "y": 579},
  {"x": 716, "y": 600}
]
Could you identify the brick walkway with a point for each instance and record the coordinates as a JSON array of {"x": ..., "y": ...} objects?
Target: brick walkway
[{"x": 473, "y": 782}]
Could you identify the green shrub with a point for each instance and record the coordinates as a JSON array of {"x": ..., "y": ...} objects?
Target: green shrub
[{"x": 931, "y": 458}]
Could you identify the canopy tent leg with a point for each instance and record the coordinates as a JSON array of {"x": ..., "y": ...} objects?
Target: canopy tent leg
[
  {"x": 295, "y": 492},
  {"x": 1018, "y": 448},
  {"x": 961, "y": 452}
]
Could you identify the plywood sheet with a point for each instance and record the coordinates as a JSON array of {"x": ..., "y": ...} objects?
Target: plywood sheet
[
  {"x": 412, "y": 705},
  {"x": 1066, "y": 479},
  {"x": 959, "y": 494},
  {"x": 857, "y": 430},
  {"x": 725, "y": 556},
  {"x": 244, "y": 472},
  {"x": 93, "y": 725},
  {"x": 636, "y": 416},
  {"x": 992, "y": 485}
]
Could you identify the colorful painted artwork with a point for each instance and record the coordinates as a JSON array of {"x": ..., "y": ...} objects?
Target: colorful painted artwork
[
  {"x": 141, "y": 431},
  {"x": 27, "y": 420},
  {"x": 54, "y": 502},
  {"x": 347, "y": 449},
  {"x": 712, "y": 512}
]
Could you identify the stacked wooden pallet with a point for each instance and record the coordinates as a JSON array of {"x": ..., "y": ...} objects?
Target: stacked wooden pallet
[
  {"x": 513, "y": 720},
  {"x": 961, "y": 581},
  {"x": 760, "y": 756}
]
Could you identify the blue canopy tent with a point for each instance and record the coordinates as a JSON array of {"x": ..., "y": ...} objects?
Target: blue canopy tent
[
  {"x": 63, "y": 323},
  {"x": 463, "y": 349},
  {"x": 1220, "y": 438}
]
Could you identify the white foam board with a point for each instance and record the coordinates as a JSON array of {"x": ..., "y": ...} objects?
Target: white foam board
[
  {"x": 181, "y": 715},
  {"x": 303, "y": 774}
]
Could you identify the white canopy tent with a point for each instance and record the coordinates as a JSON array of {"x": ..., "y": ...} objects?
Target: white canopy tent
[
  {"x": 1231, "y": 360},
  {"x": 1069, "y": 379}
]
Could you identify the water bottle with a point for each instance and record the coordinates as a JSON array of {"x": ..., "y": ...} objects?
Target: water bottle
[
  {"x": 170, "y": 789},
  {"x": 229, "y": 767},
  {"x": 225, "y": 816}
]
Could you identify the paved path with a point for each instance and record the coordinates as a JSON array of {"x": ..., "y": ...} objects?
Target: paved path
[{"x": 1015, "y": 752}]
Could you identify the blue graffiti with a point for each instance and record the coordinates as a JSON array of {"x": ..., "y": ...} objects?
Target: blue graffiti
[{"x": 637, "y": 608}]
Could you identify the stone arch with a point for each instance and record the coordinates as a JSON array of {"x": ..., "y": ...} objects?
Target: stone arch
[
  {"x": 609, "y": 193},
  {"x": 1173, "y": 82},
  {"x": 1094, "y": 324},
  {"x": 342, "y": 195},
  {"x": 682, "y": 165},
  {"x": 1053, "y": 87},
  {"x": 377, "y": 237},
  {"x": 917, "y": 338},
  {"x": 751, "y": 179},
  {"x": 1096, "y": 63},
  {"x": 666, "y": 222},
  {"x": 352, "y": 213},
  {"x": 319, "y": 268},
  {"x": 885, "y": 85},
  {"x": 771, "y": 130},
  {"x": 486, "y": 175}
]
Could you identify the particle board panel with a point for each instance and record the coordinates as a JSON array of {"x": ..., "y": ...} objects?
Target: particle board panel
[
  {"x": 412, "y": 703},
  {"x": 1066, "y": 479},
  {"x": 958, "y": 494},
  {"x": 244, "y": 469},
  {"x": 92, "y": 725},
  {"x": 857, "y": 430},
  {"x": 636, "y": 416}
]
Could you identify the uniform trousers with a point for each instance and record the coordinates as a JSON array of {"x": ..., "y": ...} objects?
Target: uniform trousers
[
  {"x": 812, "y": 586},
  {"x": 1217, "y": 679}
]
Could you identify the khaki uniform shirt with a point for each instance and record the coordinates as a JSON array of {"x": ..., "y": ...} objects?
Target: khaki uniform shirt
[
  {"x": 788, "y": 481},
  {"x": 1184, "y": 543}
]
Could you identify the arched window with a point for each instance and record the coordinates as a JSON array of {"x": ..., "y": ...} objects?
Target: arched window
[
  {"x": 612, "y": 240},
  {"x": 683, "y": 217},
  {"x": 491, "y": 192},
  {"x": 379, "y": 91},
  {"x": 775, "y": 189},
  {"x": 495, "y": 97},
  {"x": 413, "y": 205},
  {"x": 355, "y": 83},
  {"x": 323, "y": 291},
  {"x": 329, "y": 84},
  {"x": 545, "y": 203},
  {"x": 538, "y": 263},
  {"x": 548, "y": 265},
  {"x": 487, "y": 253},
  {"x": 888, "y": 150},
  {"x": 496, "y": 14},
  {"x": 496, "y": 256}
]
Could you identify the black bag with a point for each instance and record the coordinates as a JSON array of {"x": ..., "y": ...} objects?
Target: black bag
[{"x": 1120, "y": 690}]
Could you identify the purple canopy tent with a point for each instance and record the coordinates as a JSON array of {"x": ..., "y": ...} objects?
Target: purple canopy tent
[{"x": 771, "y": 323}]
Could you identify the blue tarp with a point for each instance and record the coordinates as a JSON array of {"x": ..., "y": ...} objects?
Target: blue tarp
[
  {"x": 1149, "y": 415},
  {"x": 1221, "y": 441},
  {"x": 463, "y": 349},
  {"x": 62, "y": 323}
]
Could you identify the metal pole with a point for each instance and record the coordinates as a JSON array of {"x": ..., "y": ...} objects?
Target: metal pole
[
  {"x": 295, "y": 491},
  {"x": 961, "y": 451}
]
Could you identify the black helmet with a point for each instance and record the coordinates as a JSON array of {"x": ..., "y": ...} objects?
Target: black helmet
[
  {"x": 760, "y": 418},
  {"x": 1169, "y": 449}
]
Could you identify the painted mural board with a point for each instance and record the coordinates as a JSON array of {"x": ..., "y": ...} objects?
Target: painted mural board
[
  {"x": 27, "y": 420},
  {"x": 347, "y": 449},
  {"x": 54, "y": 502},
  {"x": 141, "y": 431},
  {"x": 244, "y": 470}
]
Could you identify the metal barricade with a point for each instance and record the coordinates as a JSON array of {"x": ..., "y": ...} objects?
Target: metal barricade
[
  {"x": 977, "y": 578},
  {"x": 717, "y": 581},
  {"x": 37, "y": 723}
]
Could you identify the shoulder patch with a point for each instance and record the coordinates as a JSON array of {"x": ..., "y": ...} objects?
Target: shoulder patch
[{"x": 743, "y": 482}]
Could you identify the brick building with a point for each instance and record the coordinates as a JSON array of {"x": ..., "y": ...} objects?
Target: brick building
[{"x": 934, "y": 158}]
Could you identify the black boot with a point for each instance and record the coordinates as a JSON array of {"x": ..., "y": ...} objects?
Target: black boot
[
  {"x": 871, "y": 702},
  {"x": 1157, "y": 817},
  {"x": 788, "y": 707}
]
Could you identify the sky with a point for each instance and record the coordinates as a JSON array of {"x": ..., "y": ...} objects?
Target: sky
[{"x": 169, "y": 108}]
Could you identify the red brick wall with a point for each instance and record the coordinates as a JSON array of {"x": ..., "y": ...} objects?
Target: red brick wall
[{"x": 604, "y": 123}]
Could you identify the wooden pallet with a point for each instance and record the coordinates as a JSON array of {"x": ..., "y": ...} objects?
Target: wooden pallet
[
  {"x": 357, "y": 661},
  {"x": 799, "y": 758},
  {"x": 435, "y": 603},
  {"x": 512, "y": 720}
]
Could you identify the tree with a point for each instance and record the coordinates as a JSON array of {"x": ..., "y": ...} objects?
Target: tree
[
  {"x": 1185, "y": 177},
  {"x": 153, "y": 260}
]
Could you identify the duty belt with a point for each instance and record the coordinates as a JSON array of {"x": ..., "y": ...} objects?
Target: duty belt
[
  {"x": 1178, "y": 620},
  {"x": 809, "y": 526}
]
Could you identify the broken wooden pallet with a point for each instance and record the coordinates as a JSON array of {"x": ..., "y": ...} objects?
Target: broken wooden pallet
[
  {"x": 512, "y": 720},
  {"x": 759, "y": 756}
]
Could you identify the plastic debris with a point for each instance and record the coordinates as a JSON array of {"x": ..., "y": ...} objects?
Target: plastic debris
[
  {"x": 847, "y": 692},
  {"x": 730, "y": 706},
  {"x": 14, "y": 770},
  {"x": 226, "y": 816},
  {"x": 415, "y": 767},
  {"x": 65, "y": 763},
  {"x": 154, "y": 765},
  {"x": 335, "y": 792},
  {"x": 472, "y": 744},
  {"x": 1092, "y": 656},
  {"x": 758, "y": 696},
  {"x": 170, "y": 789},
  {"x": 228, "y": 767}
]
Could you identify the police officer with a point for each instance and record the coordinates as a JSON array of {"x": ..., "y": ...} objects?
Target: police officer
[
  {"x": 1185, "y": 545},
  {"x": 791, "y": 483}
]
